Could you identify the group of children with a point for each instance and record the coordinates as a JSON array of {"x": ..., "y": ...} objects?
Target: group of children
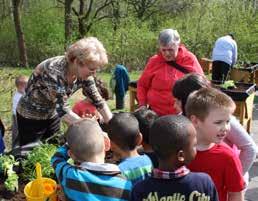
[{"x": 174, "y": 157}]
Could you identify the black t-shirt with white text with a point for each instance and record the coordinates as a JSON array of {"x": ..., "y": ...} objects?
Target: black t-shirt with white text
[{"x": 191, "y": 187}]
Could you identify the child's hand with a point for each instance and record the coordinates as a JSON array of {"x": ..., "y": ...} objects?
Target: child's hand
[{"x": 90, "y": 116}]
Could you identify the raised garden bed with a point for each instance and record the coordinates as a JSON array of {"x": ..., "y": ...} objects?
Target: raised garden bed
[
  {"x": 250, "y": 67},
  {"x": 240, "y": 93},
  {"x": 247, "y": 73}
]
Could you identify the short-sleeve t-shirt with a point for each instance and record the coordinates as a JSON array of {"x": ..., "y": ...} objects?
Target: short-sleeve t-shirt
[
  {"x": 136, "y": 168},
  {"x": 193, "y": 186},
  {"x": 224, "y": 167}
]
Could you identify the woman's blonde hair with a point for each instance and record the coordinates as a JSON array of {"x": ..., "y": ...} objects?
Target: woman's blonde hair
[{"x": 87, "y": 51}]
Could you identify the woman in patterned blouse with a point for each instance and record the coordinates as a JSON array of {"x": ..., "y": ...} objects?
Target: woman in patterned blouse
[{"x": 52, "y": 82}]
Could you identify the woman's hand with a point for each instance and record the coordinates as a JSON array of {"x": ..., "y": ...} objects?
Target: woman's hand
[{"x": 143, "y": 107}]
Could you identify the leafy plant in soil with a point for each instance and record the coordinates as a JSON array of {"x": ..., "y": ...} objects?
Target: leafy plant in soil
[
  {"x": 42, "y": 155},
  {"x": 230, "y": 84},
  {"x": 7, "y": 162}
]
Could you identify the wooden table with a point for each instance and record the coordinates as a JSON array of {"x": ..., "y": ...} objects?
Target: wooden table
[
  {"x": 244, "y": 112},
  {"x": 132, "y": 97},
  {"x": 247, "y": 74},
  {"x": 206, "y": 65}
]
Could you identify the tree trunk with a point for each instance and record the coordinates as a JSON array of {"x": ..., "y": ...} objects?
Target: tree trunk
[
  {"x": 19, "y": 33},
  {"x": 82, "y": 30},
  {"x": 68, "y": 21}
]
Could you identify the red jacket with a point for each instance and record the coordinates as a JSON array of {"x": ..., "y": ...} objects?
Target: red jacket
[{"x": 154, "y": 88}]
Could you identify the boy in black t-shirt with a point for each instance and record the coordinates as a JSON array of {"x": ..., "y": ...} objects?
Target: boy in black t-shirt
[{"x": 173, "y": 139}]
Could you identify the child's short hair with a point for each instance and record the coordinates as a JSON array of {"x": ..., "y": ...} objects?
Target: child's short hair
[
  {"x": 169, "y": 134},
  {"x": 145, "y": 117},
  {"x": 85, "y": 139},
  {"x": 124, "y": 130},
  {"x": 20, "y": 80},
  {"x": 187, "y": 84},
  {"x": 199, "y": 103}
]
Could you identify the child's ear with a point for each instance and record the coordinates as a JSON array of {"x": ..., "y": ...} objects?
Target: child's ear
[
  {"x": 181, "y": 156},
  {"x": 194, "y": 119},
  {"x": 139, "y": 139},
  {"x": 70, "y": 153},
  {"x": 106, "y": 142}
]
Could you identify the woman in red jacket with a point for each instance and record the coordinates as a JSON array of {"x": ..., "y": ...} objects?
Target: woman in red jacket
[{"x": 163, "y": 70}]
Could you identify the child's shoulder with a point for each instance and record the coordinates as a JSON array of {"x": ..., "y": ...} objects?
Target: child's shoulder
[
  {"x": 141, "y": 159},
  {"x": 224, "y": 150},
  {"x": 137, "y": 161},
  {"x": 199, "y": 177},
  {"x": 223, "y": 154}
]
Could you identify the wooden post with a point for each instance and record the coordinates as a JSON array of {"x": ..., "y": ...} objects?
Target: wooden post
[
  {"x": 244, "y": 111},
  {"x": 132, "y": 94}
]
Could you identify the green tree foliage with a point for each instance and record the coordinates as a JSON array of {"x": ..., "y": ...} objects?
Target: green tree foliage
[{"x": 129, "y": 39}]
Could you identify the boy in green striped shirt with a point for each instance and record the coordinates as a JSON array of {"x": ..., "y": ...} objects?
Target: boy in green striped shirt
[{"x": 125, "y": 138}]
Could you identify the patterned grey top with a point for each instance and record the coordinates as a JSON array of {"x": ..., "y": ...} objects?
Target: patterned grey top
[{"x": 47, "y": 91}]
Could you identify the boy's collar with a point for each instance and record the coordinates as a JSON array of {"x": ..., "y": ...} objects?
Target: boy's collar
[
  {"x": 100, "y": 167},
  {"x": 160, "y": 174}
]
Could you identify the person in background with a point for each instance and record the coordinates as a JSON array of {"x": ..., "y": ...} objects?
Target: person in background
[
  {"x": 237, "y": 135},
  {"x": 172, "y": 62},
  {"x": 173, "y": 139},
  {"x": 51, "y": 84},
  {"x": 20, "y": 83},
  {"x": 209, "y": 110},
  {"x": 91, "y": 178},
  {"x": 125, "y": 138},
  {"x": 119, "y": 84},
  {"x": 224, "y": 56}
]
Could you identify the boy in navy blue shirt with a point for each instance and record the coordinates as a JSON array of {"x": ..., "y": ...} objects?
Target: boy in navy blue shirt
[
  {"x": 173, "y": 139},
  {"x": 125, "y": 138},
  {"x": 91, "y": 179}
]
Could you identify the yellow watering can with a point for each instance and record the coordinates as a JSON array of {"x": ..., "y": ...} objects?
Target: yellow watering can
[{"x": 41, "y": 189}]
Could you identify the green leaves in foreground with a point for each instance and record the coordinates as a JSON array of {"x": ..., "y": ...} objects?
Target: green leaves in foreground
[
  {"x": 6, "y": 168},
  {"x": 42, "y": 155}
]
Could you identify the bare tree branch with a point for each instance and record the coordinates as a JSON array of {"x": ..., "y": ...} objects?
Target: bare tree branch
[
  {"x": 89, "y": 10},
  {"x": 60, "y": 1},
  {"x": 107, "y": 2},
  {"x": 75, "y": 12}
]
